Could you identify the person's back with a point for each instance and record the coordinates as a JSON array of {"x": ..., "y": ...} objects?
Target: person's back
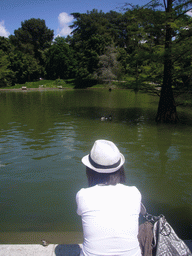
[{"x": 110, "y": 225}]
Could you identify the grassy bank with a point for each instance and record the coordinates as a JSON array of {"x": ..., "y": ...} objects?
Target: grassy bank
[{"x": 58, "y": 83}]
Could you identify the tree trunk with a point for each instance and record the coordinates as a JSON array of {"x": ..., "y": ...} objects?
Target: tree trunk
[{"x": 167, "y": 109}]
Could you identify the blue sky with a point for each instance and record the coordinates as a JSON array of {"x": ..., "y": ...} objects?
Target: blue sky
[{"x": 56, "y": 13}]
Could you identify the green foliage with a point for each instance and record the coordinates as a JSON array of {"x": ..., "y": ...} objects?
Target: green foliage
[
  {"x": 87, "y": 57},
  {"x": 37, "y": 84},
  {"x": 90, "y": 24},
  {"x": 5, "y": 45},
  {"x": 6, "y": 75},
  {"x": 60, "y": 82},
  {"x": 91, "y": 35},
  {"x": 104, "y": 46},
  {"x": 32, "y": 37},
  {"x": 25, "y": 66},
  {"x": 60, "y": 61},
  {"x": 25, "y": 49},
  {"x": 182, "y": 55},
  {"x": 108, "y": 68},
  {"x": 139, "y": 56},
  {"x": 46, "y": 84}
]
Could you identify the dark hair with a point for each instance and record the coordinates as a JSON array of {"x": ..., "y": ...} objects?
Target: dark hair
[{"x": 113, "y": 178}]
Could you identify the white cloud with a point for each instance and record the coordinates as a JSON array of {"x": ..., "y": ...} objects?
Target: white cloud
[
  {"x": 64, "y": 18},
  {"x": 64, "y": 21},
  {"x": 3, "y": 31},
  {"x": 189, "y": 13}
]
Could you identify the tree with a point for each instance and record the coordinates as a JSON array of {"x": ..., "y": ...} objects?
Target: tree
[
  {"x": 168, "y": 24},
  {"x": 90, "y": 24},
  {"x": 25, "y": 67},
  {"x": 60, "y": 61},
  {"x": 5, "y": 45},
  {"x": 167, "y": 108},
  {"x": 33, "y": 37},
  {"x": 142, "y": 36},
  {"x": 29, "y": 42},
  {"x": 87, "y": 59},
  {"x": 6, "y": 74},
  {"x": 108, "y": 68},
  {"x": 92, "y": 33},
  {"x": 140, "y": 40},
  {"x": 182, "y": 55}
]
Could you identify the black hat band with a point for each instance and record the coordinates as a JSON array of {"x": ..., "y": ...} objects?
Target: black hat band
[{"x": 99, "y": 166}]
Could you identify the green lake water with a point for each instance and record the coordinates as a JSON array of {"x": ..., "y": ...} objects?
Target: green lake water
[{"x": 44, "y": 135}]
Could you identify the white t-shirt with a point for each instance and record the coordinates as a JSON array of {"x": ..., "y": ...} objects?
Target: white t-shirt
[{"x": 110, "y": 220}]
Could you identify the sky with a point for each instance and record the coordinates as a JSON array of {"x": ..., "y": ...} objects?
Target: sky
[{"x": 56, "y": 13}]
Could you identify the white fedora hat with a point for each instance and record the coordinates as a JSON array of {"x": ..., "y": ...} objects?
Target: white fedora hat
[{"x": 104, "y": 157}]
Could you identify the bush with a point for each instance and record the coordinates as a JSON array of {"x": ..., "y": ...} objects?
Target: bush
[{"x": 60, "y": 82}]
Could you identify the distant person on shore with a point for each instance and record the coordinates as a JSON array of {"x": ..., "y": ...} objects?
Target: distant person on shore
[{"x": 109, "y": 209}]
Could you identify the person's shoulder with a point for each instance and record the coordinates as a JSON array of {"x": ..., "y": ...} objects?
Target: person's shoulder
[
  {"x": 85, "y": 191},
  {"x": 131, "y": 189},
  {"x": 80, "y": 192},
  {"x": 87, "y": 194}
]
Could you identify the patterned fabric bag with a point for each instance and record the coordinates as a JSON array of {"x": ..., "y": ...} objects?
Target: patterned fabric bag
[{"x": 166, "y": 242}]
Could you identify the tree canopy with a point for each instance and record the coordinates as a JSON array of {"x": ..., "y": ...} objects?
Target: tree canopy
[
  {"x": 32, "y": 37},
  {"x": 146, "y": 47},
  {"x": 60, "y": 61}
]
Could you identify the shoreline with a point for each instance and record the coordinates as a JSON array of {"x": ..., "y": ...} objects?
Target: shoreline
[
  {"x": 34, "y": 89},
  {"x": 32, "y": 237}
]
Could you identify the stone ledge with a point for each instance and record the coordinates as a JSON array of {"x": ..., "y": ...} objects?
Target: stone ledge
[
  {"x": 50, "y": 250},
  {"x": 39, "y": 250}
]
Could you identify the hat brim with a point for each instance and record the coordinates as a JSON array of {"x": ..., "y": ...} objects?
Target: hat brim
[{"x": 86, "y": 162}]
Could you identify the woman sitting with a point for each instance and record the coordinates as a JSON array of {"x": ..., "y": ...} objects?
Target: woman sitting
[{"x": 108, "y": 208}]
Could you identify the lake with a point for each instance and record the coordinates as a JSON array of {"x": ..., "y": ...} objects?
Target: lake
[{"x": 45, "y": 133}]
